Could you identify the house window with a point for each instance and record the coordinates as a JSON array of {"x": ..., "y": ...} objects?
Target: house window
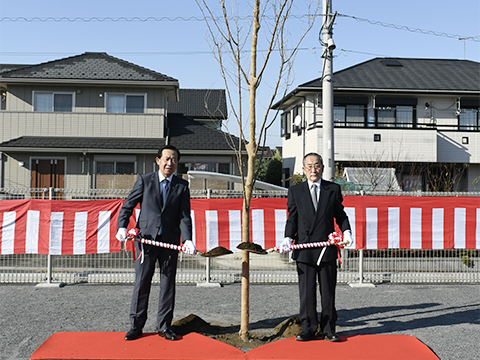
[
  {"x": 349, "y": 115},
  {"x": 468, "y": 119},
  {"x": 297, "y": 126},
  {"x": 396, "y": 113},
  {"x": 52, "y": 101},
  {"x": 125, "y": 103},
  {"x": 222, "y": 168},
  {"x": 115, "y": 167},
  {"x": 395, "y": 116},
  {"x": 350, "y": 111},
  {"x": 286, "y": 124}
]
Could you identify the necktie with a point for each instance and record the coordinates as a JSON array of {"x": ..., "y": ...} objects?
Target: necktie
[
  {"x": 164, "y": 185},
  {"x": 314, "y": 192}
]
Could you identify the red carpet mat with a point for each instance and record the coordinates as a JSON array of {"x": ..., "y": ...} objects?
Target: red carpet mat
[
  {"x": 360, "y": 347},
  {"x": 112, "y": 346}
]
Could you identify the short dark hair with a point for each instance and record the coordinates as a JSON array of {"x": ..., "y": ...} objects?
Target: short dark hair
[
  {"x": 168, "y": 147},
  {"x": 313, "y": 154}
]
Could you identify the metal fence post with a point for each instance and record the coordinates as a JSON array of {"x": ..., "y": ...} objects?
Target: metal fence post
[
  {"x": 207, "y": 282},
  {"x": 360, "y": 283},
  {"x": 49, "y": 282}
]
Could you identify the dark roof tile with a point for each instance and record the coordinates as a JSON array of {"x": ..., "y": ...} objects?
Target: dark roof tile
[
  {"x": 189, "y": 134},
  {"x": 200, "y": 104},
  {"x": 59, "y": 142},
  {"x": 88, "y": 66},
  {"x": 412, "y": 74}
]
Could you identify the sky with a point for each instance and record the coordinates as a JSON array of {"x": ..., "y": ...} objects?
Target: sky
[{"x": 171, "y": 37}]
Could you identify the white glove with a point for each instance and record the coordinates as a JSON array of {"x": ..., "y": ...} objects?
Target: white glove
[
  {"x": 347, "y": 236},
  {"x": 121, "y": 234},
  {"x": 285, "y": 246},
  {"x": 189, "y": 247}
]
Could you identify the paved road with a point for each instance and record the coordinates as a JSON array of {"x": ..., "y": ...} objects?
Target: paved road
[{"x": 444, "y": 317}]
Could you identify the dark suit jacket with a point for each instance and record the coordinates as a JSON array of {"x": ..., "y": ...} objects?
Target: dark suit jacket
[
  {"x": 174, "y": 216},
  {"x": 305, "y": 225}
]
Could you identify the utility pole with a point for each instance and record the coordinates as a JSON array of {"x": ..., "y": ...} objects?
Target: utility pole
[{"x": 327, "y": 91}]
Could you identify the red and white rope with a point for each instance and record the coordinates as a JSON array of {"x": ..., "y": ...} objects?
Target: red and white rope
[
  {"x": 157, "y": 243},
  {"x": 133, "y": 235},
  {"x": 333, "y": 239}
]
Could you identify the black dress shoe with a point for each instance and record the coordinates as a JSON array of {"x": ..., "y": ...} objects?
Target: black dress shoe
[
  {"x": 305, "y": 336},
  {"x": 133, "y": 334},
  {"x": 333, "y": 337},
  {"x": 168, "y": 334}
]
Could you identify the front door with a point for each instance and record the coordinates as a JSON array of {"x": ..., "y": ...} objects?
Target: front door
[{"x": 47, "y": 173}]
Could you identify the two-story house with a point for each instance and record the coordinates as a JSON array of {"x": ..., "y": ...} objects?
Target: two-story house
[
  {"x": 417, "y": 116},
  {"x": 94, "y": 121}
]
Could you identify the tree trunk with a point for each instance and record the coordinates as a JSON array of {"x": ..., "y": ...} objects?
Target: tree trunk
[{"x": 248, "y": 187}]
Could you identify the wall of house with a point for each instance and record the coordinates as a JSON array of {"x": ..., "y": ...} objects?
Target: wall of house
[
  {"x": 453, "y": 147},
  {"x": 396, "y": 145},
  {"x": 16, "y": 124},
  {"x": 308, "y": 139},
  {"x": 15, "y": 174},
  {"x": 440, "y": 112},
  {"x": 86, "y": 99},
  {"x": 88, "y": 118}
]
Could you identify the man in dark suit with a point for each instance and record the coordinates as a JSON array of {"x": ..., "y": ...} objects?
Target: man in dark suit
[
  {"x": 164, "y": 215},
  {"x": 312, "y": 208}
]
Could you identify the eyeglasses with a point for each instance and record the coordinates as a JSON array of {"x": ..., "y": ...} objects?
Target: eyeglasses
[{"x": 313, "y": 167}]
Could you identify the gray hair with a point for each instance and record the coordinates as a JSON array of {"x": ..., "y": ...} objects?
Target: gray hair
[{"x": 320, "y": 160}]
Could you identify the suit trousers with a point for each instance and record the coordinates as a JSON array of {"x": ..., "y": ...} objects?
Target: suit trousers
[
  {"x": 167, "y": 260},
  {"x": 326, "y": 275}
]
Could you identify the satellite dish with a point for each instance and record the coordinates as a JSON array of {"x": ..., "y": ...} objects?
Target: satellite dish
[{"x": 297, "y": 121}]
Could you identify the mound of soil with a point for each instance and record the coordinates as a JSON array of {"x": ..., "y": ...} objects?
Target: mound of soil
[
  {"x": 252, "y": 247},
  {"x": 217, "y": 251},
  {"x": 263, "y": 333}
]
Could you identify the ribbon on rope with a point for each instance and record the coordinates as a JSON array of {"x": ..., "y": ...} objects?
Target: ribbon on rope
[
  {"x": 334, "y": 239},
  {"x": 134, "y": 235}
]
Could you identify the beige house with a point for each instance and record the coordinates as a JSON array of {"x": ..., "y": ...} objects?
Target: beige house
[{"x": 94, "y": 121}]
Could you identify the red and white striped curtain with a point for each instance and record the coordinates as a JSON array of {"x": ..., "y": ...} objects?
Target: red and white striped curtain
[
  {"x": 378, "y": 222},
  {"x": 401, "y": 222},
  {"x": 59, "y": 227}
]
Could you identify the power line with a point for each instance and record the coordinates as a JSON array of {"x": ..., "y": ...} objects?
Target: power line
[
  {"x": 190, "y": 52},
  {"x": 201, "y": 19},
  {"x": 414, "y": 30},
  {"x": 139, "y": 19}
]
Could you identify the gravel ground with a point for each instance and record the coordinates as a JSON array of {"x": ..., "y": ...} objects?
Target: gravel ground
[{"x": 445, "y": 317}]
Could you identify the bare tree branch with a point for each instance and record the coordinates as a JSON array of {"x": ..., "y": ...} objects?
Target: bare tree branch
[{"x": 229, "y": 38}]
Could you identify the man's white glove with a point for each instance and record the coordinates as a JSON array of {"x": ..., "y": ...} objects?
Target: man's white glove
[
  {"x": 121, "y": 234},
  {"x": 285, "y": 246},
  {"x": 189, "y": 247},
  {"x": 347, "y": 236}
]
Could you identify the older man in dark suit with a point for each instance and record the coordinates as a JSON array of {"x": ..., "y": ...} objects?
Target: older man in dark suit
[
  {"x": 164, "y": 215},
  {"x": 312, "y": 208}
]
